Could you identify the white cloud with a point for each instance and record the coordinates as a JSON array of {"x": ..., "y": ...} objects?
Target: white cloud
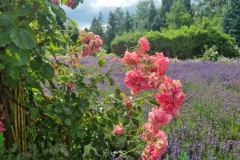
[{"x": 100, "y": 4}]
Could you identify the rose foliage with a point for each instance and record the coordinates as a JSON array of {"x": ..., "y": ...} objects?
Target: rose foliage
[{"x": 51, "y": 105}]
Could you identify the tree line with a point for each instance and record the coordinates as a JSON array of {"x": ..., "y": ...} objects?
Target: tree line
[{"x": 173, "y": 14}]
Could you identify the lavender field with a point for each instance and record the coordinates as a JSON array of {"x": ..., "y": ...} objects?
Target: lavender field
[{"x": 208, "y": 127}]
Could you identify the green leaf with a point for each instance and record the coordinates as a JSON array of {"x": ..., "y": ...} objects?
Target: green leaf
[
  {"x": 6, "y": 3},
  {"x": 17, "y": 56},
  {"x": 23, "y": 10},
  {"x": 13, "y": 148},
  {"x": 64, "y": 150},
  {"x": 110, "y": 80},
  {"x": 59, "y": 120},
  {"x": 63, "y": 1},
  {"x": 33, "y": 112},
  {"x": 92, "y": 152},
  {"x": 5, "y": 19},
  {"x": 13, "y": 71},
  {"x": 48, "y": 71},
  {"x": 8, "y": 81},
  {"x": 22, "y": 38},
  {"x": 101, "y": 62},
  {"x": 58, "y": 109},
  {"x": 1, "y": 66},
  {"x": 79, "y": 134},
  {"x": 56, "y": 9},
  {"x": 67, "y": 111},
  {"x": 154, "y": 101},
  {"x": 5, "y": 37},
  {"x": 83, "y": 105},
  {"x": 119, "y": 141},
  {"x": 36, "y": 63},
  {"x": 67, "y": 121}
]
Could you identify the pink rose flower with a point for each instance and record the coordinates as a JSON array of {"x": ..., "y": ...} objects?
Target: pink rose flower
[
  {"x": 161, "y": 63},
  {"x": 149, "y": 131},
  {"x": 164, "y": 97},
  {"x": 118, "y": 129},
  {"x": 168, "y": 86},
  {"x": 70, "y": 3},
  {"x": 159, "y": 117},
  {"x": 178, "y": 99},
  {"x": 154, "y": 80},
  {"x": 130, "y": 58},
  {"x": 133, "y": 80},
  {"x": 155, "y": 149},
  {"x": 143, "y": 45},
  {"x": 85, "y": 50},
  {"x": 170, "y": 108},
  {"x": 1, "y": 127},
  {"x": 146, "y": 154}
]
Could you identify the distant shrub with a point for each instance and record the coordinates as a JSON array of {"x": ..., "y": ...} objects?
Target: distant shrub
[
  {"x": 188, "y": 42},
  {"x": 125, "y": 41},
  {"x": 211, "y": 53}
]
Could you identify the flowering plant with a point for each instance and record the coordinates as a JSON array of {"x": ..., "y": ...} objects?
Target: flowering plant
[{"x": 149, "y": 73}]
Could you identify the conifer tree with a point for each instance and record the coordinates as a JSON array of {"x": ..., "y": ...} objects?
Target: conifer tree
[
  {"x": 152, "y": 14},
  {"x": 166, "y": 4},
  {"x": 230, "y": 21},
  {"x": 128, "y": 22}
]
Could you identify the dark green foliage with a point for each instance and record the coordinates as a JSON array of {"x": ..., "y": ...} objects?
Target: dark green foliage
[
  {"x": 141, "y": 19},
  {"x": 110, "y": 32},
  {"x": 100, "y": 22},
  {"x": 155, "y": 26},
  {"x": 178, "y": 16},
  {"x": 188, "y": 6},
  {"x": 231, "y": 20},
  {"x": 60, "y": 22},
  {"x": 119, "y": 19},
  {"x": 209, "y": 7},
  {"x": 188, "y": 42},
  {"x": 128, "y": 22},
  {"x": 124, "y": 42},
  {"x": 166, "y": 4},
  {"x": 94, "y": 25},
  {"x": 152, "y": 14}
]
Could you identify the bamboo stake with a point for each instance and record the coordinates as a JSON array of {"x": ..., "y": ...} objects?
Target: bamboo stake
[
  {"x": 15, "y": 113},
  {"x": 23, "y": 118}
]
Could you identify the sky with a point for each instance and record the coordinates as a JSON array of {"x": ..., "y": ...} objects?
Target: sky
[{"x": 85, "y": 12}]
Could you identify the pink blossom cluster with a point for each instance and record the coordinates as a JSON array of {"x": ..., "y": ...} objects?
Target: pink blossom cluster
[
  {"x": 149, "y": 70},
  {"x": 56, "y": 1},
  {"x": 2, "y": 118},
  {"x": 118, "y": 129},
  {"x": 69, "y": 3},
  {"x": 149, "y": 73},
  {"x": 92, "y": 42}
]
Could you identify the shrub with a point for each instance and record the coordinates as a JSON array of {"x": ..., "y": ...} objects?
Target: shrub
[
  {"x": 211, "y": 53},
  {"x": 126, "y": 40},
  {"x": 188, "y": 42}
]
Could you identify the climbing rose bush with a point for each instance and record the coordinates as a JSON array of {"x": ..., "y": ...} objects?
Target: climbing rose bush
[
  {"x": 118, "y": 129},
  {"x": 92, "y": 43},
  {"x": 148, "y": 72}
]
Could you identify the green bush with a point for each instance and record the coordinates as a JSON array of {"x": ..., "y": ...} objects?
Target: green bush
[
  {"x": 188, "y": 42},
  {"x": 125, "y": 41}
]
